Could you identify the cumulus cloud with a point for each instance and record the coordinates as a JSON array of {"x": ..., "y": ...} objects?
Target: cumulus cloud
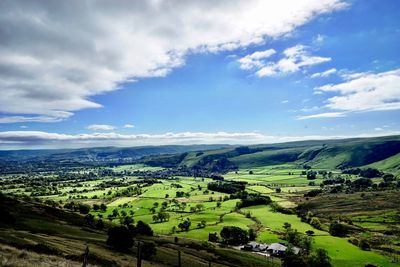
[
  {"x": 361, "y": 92},
  {"x": 366, "y": 91},
  {"x": 255, "y": 60},
  {"x": 295, "y": 58},
  {"x": 324, "y": 73},
  {"x": 54, "y": 56},
  {"x": 129, "y": 125},
  {"x": 16, "y": 139},
  {"x": 101, "y": 127}
]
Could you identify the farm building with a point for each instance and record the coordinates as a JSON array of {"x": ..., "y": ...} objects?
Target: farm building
[{"x": 275, "y": 249}]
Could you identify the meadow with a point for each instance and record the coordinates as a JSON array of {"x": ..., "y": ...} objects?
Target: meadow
[{"x": 187, "y": 198}]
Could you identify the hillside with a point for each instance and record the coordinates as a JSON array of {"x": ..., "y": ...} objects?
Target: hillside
[
  {"x": 31, "y": 232},
  {"x": 332, "y": 154}
]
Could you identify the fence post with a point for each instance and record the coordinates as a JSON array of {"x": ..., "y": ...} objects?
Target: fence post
[
  {"x": 85, "y": 257},
  {"x": 179, "y": 258},
  {"x": 139, "y": 256}
]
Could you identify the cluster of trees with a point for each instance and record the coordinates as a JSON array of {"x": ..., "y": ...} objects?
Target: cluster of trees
[
  {"x": 228, "y": 187},
  {"x": 253, "y": 199},
  {"x": 319, "y": 258},
  {"x": 121, "y": 238},
  {"x": 338, "y": 229},
  {"x": 233, "y": 235},
  {"x": 182, "y": 194},
  {"x": 185, "y": 225},
  {"x": 311, "y": 219},
  {"x": 367, "y": 173},
  {"x": 161, "y": 217},
  {"x": 82, "y": 208},
  {"x": 313, "y": 193},
  {"x": 304, "y": 241},
  {"x": 311, "y": 175}
]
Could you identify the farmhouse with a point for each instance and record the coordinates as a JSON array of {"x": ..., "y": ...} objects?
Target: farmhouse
[{"x": 275, "y": 249}]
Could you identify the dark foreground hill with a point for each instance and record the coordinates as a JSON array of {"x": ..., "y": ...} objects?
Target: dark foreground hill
[{"x": 35, "y": 234}]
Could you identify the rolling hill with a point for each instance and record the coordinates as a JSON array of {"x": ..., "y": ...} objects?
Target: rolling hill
[{"x": 380, "y": 152}]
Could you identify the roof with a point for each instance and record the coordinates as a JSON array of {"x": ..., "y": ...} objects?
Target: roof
[{"x": 277, "y": 247}]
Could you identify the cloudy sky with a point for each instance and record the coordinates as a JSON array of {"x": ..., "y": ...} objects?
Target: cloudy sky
[{"x": 127, "y": 73}]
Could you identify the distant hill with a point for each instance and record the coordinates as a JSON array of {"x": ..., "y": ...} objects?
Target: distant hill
[
  {"x": 110, "y": 154},
  {"x": 379, "y": 152}
]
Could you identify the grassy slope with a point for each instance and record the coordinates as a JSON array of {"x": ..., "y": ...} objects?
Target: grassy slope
[
  {"x": 327, "y": 154},
  {"x": 391, "y": 164},
  {"x": 66, "y": 237}
]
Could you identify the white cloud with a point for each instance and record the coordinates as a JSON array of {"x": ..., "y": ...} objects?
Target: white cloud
[
  {"x": 255, "y": 60},
  {"x": 55, "y": 56},
  {"x": 378, "y": 129},
  {"x": 324, "y": 74},
  {"x": 129, "y": 125},
  {"x": 285, "y": 101},
  {"x": 101, "y": 127},
  {"x": 319, "y": 39},
  {"x": 54, "y": 117},
  {"x": 24, "y": 139},
  {"x": 23, "y": 126},
  {"x": 295, "y": 58},
  {"x": 322, "y": 115},
  {"x": 366, "y": 91}
]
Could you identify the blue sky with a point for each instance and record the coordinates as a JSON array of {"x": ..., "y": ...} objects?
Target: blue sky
[{"x": 335, "y": 73}]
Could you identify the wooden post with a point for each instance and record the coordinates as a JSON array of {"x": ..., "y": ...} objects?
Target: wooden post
[
  {"x": 139, "y": 256},
  {"x": 179, "y": 259},
  {"x": 209, "y": 263},
  {"x": 85, "y": 257}
]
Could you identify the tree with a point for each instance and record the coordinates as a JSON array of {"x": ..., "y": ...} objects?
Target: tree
[
  {"x": 185, "y": 225},
  {"x": 143, "y": 229},
  {"x": 103, "y": 207},
  {"x": 199, "y": 207},
  {"x": 119, "y": 238},
  {"x": 83, "y": 208},
  {"x": 287, "y": 225},
  {"x": 127, "y": 220},
  {"x": 213, "y": 237},
  {"x": 315, "y": 222},
  {"x": 233, "y": 235},
  {"x": 319, "y": 259},
  {"x": 311, "y": 175},
  {"x": 201, "y": 224},
  {"x": 338, "y": 229},
  {"x": 115, "y": 213},
  {"x": 252, "y": 234},
  {"x": 292, "y": 260},
  {"x": 218, "y": 204}
]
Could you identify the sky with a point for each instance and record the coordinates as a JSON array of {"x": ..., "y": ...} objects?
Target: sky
[{"x": 132, "y": 73}]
